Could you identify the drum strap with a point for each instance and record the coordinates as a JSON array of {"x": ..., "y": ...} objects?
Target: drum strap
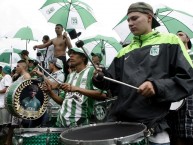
[{"x": 154, "y": 125}]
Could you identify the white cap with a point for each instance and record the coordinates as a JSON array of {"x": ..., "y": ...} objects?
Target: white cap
[{"x": 57, "y": 62}]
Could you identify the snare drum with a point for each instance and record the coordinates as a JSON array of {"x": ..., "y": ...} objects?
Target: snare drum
[
  {"x": 19, "y": 91},
  {"x": 117, "y": 133},
  {"x": 37, "y": 136}
]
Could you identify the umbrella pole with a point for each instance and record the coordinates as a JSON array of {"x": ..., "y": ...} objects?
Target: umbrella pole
[
  {"x": 26, "y": 45},
  {"x": 80, "y": 44},
  {"x": 11, "y": 59},
  {"x": 11, "y": 56}
]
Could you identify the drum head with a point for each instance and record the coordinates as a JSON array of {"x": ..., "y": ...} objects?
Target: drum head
[
  {"x": 104, "y": 133},
  {"x": 27, "y": 99}
]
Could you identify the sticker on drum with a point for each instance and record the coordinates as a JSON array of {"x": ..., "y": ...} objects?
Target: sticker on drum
[
  {"x": 113, "y": 133},
  {"x": 26, "y": 99}
]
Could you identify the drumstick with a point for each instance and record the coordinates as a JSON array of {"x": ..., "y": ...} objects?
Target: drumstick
[{"x": 49, "y": 74}]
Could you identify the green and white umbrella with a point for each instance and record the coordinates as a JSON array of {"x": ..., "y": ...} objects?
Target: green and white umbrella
[
  {"x": 107, "y": 46},
  {"x": 171, "y": 21},
  {"x": 69, "y": 13},
  {"x": 122, "y": 29},
  {"x": 25, "y": 33},
  {"x": 10, "y": 56}
]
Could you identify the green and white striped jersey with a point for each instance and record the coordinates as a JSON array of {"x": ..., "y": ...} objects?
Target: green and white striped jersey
[{"x": 77, "y": 108}]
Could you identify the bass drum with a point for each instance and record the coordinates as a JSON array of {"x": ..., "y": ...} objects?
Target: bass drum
[
  {"x": 115, "y": 133},
  {"x": 26, "y": 99}
]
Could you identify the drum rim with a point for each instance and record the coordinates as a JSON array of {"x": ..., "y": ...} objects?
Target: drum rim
[
  {"x": 129, "y": 138},
  {"x": 40, "y": 130}
]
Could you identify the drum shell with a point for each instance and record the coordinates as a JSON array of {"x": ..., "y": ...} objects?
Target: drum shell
[
  {"x": 9, "y": 98},
  {"x": 14, "y": 95},
  {"x": 40, "y": 136},
  {"x": 5, "y": 116},
  {"x": 89, "y": 131}
]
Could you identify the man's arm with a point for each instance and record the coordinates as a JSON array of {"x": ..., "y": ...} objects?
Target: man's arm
[
  {"x": 26, "y": 76},
  {"x": 41, "y": 46},
  {"x": 179, "y": 84},
  {"x": 3, "y": 90},
  {"x": 96, "y": 94},
  {"x": 48, "y": 89},
  {"x": 68, "y": 42}
]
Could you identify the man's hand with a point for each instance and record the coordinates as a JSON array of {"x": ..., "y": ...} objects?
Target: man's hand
[
  {"x": 47, "y": 86},
  {"x": 26, "y": 57},
  {"x": 35, "y": 47},
  {"x": 36, "y": 71},
  {"x": 98, "y": 75},
  {"x": 64, "y": 35},
  {"x": 98, "y": 70},
  {"x": 146, "y": 89},
  {"x": 68, "y": 87}
]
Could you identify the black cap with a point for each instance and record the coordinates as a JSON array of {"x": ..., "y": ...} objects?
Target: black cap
[
  {"x": 97, "y": 54},
  {"x": 144, "y": 8},
  {"x": 25, "y": 52}
]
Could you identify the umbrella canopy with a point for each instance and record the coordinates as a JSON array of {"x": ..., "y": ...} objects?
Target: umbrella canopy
[
  {"x": 170, "y": 20},
  {"x": 10, "y": 56},
  {"x": 25, "y": 33},
  {"x": 69, "y": 13},
  {"x": 107, "y": 46},
  {"x": 175, "y": 20},
  {"x": 122, "y": 29},
  {"x": 4, "y": 64}
]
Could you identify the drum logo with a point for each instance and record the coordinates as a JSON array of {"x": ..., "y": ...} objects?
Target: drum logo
[{"x": 100, "y": 112}]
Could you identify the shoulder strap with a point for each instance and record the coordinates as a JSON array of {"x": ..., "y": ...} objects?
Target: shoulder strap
[{"x": 46, "y": 53}]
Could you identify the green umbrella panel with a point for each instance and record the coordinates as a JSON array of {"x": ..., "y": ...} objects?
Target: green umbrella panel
[
  {"x": 175, "y": 20},
  {"x": 108, "y": 47},
  {"x": 10, "y": 56},
  {"x": 25, "y": 33},
  {"x": 69, "y": 13}
]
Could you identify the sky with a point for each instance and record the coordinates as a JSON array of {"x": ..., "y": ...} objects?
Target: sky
[{"x": 15, "y": 14}]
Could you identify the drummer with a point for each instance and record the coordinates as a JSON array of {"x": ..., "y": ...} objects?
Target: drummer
[
  {"x": 158, "y": 64},
  {"x": 77, "y": 100}
]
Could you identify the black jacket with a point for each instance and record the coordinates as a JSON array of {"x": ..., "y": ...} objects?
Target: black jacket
[{"x": 159, "y": 58}]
